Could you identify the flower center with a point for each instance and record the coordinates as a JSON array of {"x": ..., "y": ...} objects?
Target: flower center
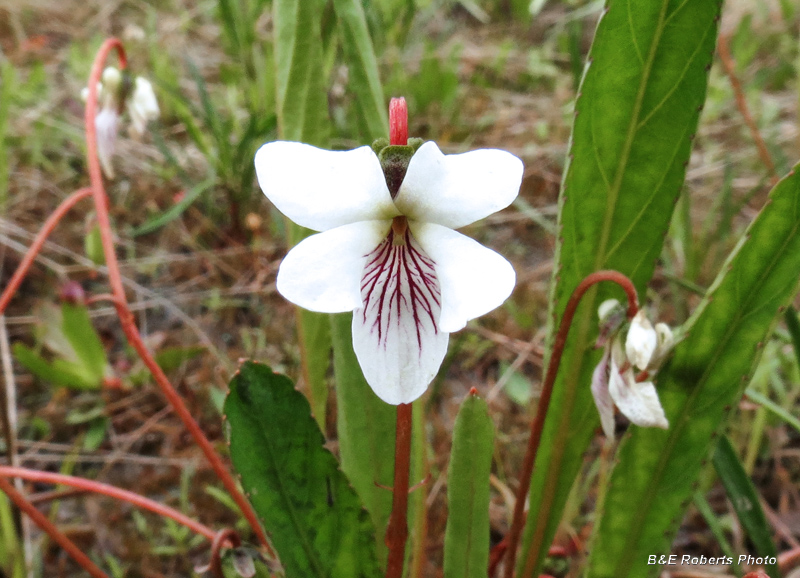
[{"x": 399, "y": 229}]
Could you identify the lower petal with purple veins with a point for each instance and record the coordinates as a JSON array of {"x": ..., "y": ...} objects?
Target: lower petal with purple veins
[{"x": 395, "y": 332}]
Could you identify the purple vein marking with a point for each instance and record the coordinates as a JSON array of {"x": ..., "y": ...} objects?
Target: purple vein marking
[{"x": 399, "y": 283}]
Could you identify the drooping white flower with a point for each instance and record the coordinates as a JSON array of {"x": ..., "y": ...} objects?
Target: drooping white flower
[
  {"x": 142, "y": 105},
  {"x": 107, "y": 126},
  {"x": 641, "y": 340},
  {"x": 614, "y": 381},
  {"x": 387, "y": 249},
  {"x": 140, "y": 102}
]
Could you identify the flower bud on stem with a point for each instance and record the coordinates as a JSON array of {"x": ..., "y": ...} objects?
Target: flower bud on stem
[
  {"x": 544, "y": 402},
  {"x": 398, "y": 121}
]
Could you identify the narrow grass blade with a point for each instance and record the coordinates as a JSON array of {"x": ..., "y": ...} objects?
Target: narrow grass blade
[
  {"x": 366, "y": 427},
  {"x": 362, "y": 65},
  {"x": 81, "y": 334},
  {"x": 300, "y": 88},
  {"x": 302, "y": 114},
  {"x": 793, "y": 325},
  {"x": 466, "y": 540},
  {"x": 175, "y": 210},
  {"x": 763, "y": 400},
  {"x": 744, "y": 498},
  {"x": 657, "y": 469},
  {"x": 717, "y": 530},
  {"x": 313, "y": 515},
  {"x": 636, "y": 113}
]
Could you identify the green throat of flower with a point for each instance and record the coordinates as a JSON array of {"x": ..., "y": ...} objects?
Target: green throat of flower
[{"x": 394, "y": 160}]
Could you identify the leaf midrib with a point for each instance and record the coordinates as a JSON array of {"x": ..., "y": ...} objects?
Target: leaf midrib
[
  {"x": 633, "y": 127},
  {"x": 293, "y": 515}
]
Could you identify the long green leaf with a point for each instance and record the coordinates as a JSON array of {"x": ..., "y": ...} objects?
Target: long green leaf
[
  {"x": 657, "y": 469},
  {"x": 302, "y": 105},
  {"x": 466, "y": 540},
  {"x": 59, "y": 372},
  {"x": 744, "y": 498},
  {"x": 79, "y": 331},
  {"x": 366, "y": 428},
  {"x": 176, "y": 210},
  {"x": 302, "y": 111},
  {"x": 315, "y": 339},
  {"x": 311, "y": 512},
  {"x": 637, "y": 111},
  {"x": 362, "y": 64}
]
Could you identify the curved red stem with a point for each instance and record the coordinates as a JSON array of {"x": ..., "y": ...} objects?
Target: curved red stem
[
  {"x": 225, "y": 537},
  {"x": 547, "y": 389},
  {"x": 38, "y": 243},
  {"x": 48, "y": 527},
  {"x": 125, "y": 315},
  {"x": 110, "y": 491}
]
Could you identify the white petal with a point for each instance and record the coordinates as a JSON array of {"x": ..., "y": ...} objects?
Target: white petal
[
  {"x": 395, "y": 333},
  {"x": 456, "y": 190},
  {"x": 641, "y": 340},
  {"x": 474, "y": 279},
  {"x": 637, "y": 401},
  {"x": 323, "y": 272},
  {"x": 606, "y": 308},
  {"x": 322, "y": 189},
  {"x": 602, "y": 397},
  {"x": 142, "y": 106},
  {"x": 106, "y": 124}
]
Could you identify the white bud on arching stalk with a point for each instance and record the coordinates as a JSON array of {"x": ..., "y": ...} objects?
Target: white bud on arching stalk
[
  {"x": 606, "y": 308},
  {"x": 142, "y": 105},
  {"x": 140, "y": 102},
  {"x": 614, "y": 381},
  {"x": 641, "y": 341}
]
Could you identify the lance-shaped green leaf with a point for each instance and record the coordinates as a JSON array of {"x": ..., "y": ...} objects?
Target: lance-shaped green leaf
[
  {"x": 636, "y": 113},
  {"x": 80, "y": 358},
  {"x": 366, "y": 428},
  {"x": 313, "y": 516},
  {"x": 466, "y": 540},
  {"x": 744, "y": 498},
  {"x": 302, "y": 111},
  {"x": 364, "y": 81},
  {"x": 656, "y": 471},
  {"x": 302, "y": 105}
]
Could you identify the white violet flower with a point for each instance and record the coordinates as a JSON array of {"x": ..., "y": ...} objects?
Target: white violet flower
[
  {"x": 615, "y": 382},
  {"x": 387, "y": 249}
]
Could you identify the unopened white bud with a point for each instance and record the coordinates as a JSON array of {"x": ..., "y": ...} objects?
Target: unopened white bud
[
  {"x": 112, "y": 78},
  {"x": 606, "y": 308},
  {"x": 142, "y": 106},
  {"x": 665, "y": 338},
  {"x": 641, "y": 341}
]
